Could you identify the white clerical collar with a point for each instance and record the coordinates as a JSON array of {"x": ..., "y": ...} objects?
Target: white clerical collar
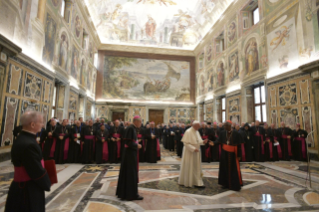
[{"x": 29, "y": 132}]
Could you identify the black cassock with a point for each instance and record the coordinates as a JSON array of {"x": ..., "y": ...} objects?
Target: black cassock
[
  {"x": 258, "y": 134},
  {"x": 101, "y": 148},
  {"x": 204, "y": 133},
  {"x": 269, "y": 146},
  {"x": 166, "y": 138},
  {"x": 229, "y": 169},
  {"x": 141, "y": 137},
  {"x": 116, "y": 147},
  {"x": 285, "y": 142},
  {"x": 75, "y": 147},
  {"x": 26, "y": 192},
  {"x": 128, "y": 178},
  {"x": 248, "y": 144},
  {"x": 151, "y": 146},
  {"x": 49, "y": 142},
  {"x": 299, "y": 145},
  {"x": 179, "y": 133},
  {"x": 215, "y": 150},
  {"x": 89, "y": 145},
  {"x": 62, "y": 145},
  {"x": 171, "y": 139}
]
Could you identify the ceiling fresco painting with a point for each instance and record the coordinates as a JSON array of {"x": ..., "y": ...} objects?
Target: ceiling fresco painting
[{"x": 179, "y": 24}]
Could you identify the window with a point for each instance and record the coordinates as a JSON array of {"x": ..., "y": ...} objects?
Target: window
[
  {"x": 255, "y": 15},
  {"x": 96, "y": 55},
  {"x": 223, "y": 109},
  {"x": 62, "y": 8},
  {"x": 220, "y": 43},
  {"x": 54, "y": 101},
  {"x": 260, "y": 103}
]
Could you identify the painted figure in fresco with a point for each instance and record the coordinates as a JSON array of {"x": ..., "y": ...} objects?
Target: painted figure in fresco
[
  {"x": 210, "y": 78},
  {"x": 233, "y": 67},
  {"x": 50, "y": 32},
  {"x": 220, "y": 74},
  {"x": 150, "y": 27},
  {"x": 82, "y": 73},
  {"x": 75, "y": 64},
  {"x": 202, "y": 84},
  {"x": 78, "y": 26},
  {"x": 251, "y": 56},
  {"x": 231, "y": 32},
  {"x": 63, "y": 57},
  {"x": 282, "y": 36},
  {"x": 209, "y": 53},
  {"x": 55, "y": 2}
]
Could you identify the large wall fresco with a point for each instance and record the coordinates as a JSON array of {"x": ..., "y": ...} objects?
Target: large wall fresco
[
  {"x": 145, "y": 79},
  {"x": 169, "y": 23}
]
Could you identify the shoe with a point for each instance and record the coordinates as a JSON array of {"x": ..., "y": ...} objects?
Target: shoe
[
  {"x": 200, "y": 187},
  {"x": 139, "y": 197}
]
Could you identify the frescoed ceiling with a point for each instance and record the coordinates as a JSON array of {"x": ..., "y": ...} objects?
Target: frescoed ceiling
[{"x": 177, "y": 24}]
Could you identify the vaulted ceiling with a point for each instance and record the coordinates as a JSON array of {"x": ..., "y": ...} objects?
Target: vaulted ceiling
[{"x": 177, "y": 24}]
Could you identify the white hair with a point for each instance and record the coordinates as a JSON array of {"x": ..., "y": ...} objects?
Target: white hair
[
  {"x": 30, "y": 116},
  {"x": 196, "y": 122}
]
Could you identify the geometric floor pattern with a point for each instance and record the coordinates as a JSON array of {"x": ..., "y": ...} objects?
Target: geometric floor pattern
[{"x": 270, "y": 186}]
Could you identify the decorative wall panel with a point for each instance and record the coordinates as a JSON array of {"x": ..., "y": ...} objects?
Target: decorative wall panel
[
  {"x": 14, "y": 80},
  {"x": 32, "y": 86},
  {"x": 233, "y": 109}
]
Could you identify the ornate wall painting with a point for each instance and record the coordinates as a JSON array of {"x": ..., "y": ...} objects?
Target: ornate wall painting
[
  {"x": 273, "y": 115},
  {"x": 233, "y": 66},
  {"x": 27, "y": 105},
  {"x": 290, "y": 117},
  {"x": 63, "y": 51},
  {"x": 251, "y": 56},
  {"x": 273, "y": 97},
  {"x": 14, "y": 81},
  {"x": 46, "y": 112},
  {"x": 208, "y": 54},
  {"x": 209, "y": 111},
  {"x": 75, "y": 63},
  {"x": 83, "y": 74},
  {"x": 281, "y": 40},
  {"x": 146, "y": 79},
  {"x": 9, "y": 120},
  {"x": 202, "y": 84},
  {"x": 307, "y": 124},
  {"x": 101, "y": 111},
  {"x": 304, "y": 92},
  {"x": 59, "y": 114},
  {"x": 89, "y": 83},
  {"x": 233, "y": 105},
  {"x": 61, "y": 96},
  {"x": 56, "y": 3},
  {"x": 220, "y": 74},
  {"x": 287, "y": 94},
  {"x": 201, "y": 60},
  {"x": 50, "y": 34},
  {"x": 270, "y": 5},
  {"x": 78, "y": 27},
  {"x": 73, "y": 100},
  {"x": 235, "y": 118},
  {"x": 81, "y": 105},
  {"x": 72, "y": 116},
  {"x": 210, "y": 79},
  {"x": 88, "y": 110},
  {"x": 47, "y": 91},
  {"x": 172, "y": 113},
  {"x": 232, "y": 33},
  {"x": 32, "y": 86}
]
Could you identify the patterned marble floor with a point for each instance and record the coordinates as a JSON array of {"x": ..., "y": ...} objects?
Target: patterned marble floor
[{"x": 275, "y": 186}]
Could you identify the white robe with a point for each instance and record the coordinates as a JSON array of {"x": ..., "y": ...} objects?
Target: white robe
[{"x": 191, "y": 167}]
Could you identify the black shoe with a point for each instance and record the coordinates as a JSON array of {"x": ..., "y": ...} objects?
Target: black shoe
[
  {"x": 199, "y": 186},
  {"x": 139, "y": 197}
]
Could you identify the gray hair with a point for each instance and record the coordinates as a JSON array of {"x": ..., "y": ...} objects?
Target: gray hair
[{"x": 30, "y": 116}]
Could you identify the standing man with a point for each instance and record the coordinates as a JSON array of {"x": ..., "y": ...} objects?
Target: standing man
[
  {"x": 299, "y": 144},
  {"x": 285, "y": 141},
  {"x": 26, "y": 192},
  {"x": 115, "y": 142},
  {"x": 49, "y": 137},
  {"x": 191, "y": 168},
  {"x": 75, "y": 143},
  {"x": 171, "y": 137},
  {"x": 204, "y": 133},
  {"x": 128, "y": 178},
  {"x": 88, "y": 143},
  {"x": 102, "y": 151},
  {"x": 62, "y": 143},
  {"x": 229, "y": 169},
  {"x": 258, "y": 134},
  {"x": 151, "y": 135},
  {"x": 179, "y": 133}
]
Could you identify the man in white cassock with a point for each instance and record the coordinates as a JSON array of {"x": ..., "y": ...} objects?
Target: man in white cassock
[{"x": 191, "y": 168}]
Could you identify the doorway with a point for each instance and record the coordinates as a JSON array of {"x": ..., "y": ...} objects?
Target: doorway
[
  {"x": 118, "y": 115},
  {"x": 157, "y": 116}
]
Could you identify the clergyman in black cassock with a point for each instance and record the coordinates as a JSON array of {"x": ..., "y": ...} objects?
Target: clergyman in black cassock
[
  {"x": 268, "y": 143},
  {"x": 26, "y": 192},
  {"x": 128, "y": 177},
  {"x": 115, "y": 143},
  {"x": 215, "y": 150},
  {"x": 49, "y": 137},
  {"x": 151, "y": 146},
  {"x": 75, "y": 143},
  {"x": 179, "y": 133},
  {"x": 102, "y": 151},
  {"x": 171, "y": 138},
  {"x": 258, "y": 134},
  {"x": 229, "y": 168},
  {"x": 204, "y": 133},
  {"x": 140, "y": 132},
  {"x": 285, "y": 141},
  {"x": 62, "y": 143},
  {"x": 89, "y": 143},
  {"x": 246, "y": 133},
  {"x": 299, "y": 144}
]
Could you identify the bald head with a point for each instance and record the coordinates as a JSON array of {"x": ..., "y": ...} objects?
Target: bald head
[
  {"x": 117, "y": 123},
  {"x": 32, "y": 121}
]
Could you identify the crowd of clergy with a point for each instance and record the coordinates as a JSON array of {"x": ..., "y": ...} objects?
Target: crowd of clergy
[
  {"x": 101, "y": 142},
  {"x": 260, "y": 143}
]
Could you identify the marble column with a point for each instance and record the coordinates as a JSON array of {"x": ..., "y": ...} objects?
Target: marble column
[{"x": 41, "y": 10}]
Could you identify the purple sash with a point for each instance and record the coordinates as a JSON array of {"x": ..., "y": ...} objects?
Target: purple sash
[
  {"x": 66, "y": 147},
  {"x": 243, "y": 155},
  {"x": 303, "y": 148},
  {"x": 270, "y": 148},
  {"x": 262, "y": 142},
  {"x": 289, "y": 144},
  {"x": 52, "y": 147},
  {"x": 158, "y": 149},
  {"x": 105, "y": 150},
  {"x": 116, "y": 135}
]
